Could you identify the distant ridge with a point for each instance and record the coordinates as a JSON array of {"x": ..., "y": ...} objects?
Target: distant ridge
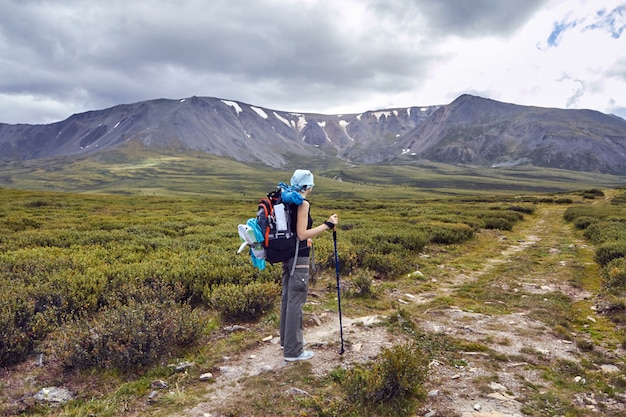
[{"x": 471, "y": 130}]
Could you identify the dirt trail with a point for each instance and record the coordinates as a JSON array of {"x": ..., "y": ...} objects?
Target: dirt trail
[
  {"x": 453, "y": 389},
  {"x": 511, "y": 333}
]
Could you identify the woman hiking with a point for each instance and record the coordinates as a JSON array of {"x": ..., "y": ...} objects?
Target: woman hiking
[{"x": 296, "y": 285}]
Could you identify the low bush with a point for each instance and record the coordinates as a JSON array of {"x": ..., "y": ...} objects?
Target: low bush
[
  {"x": 446, "y": 234},
  {"x": 17, "y": 317},
  {"x": 609, "y": 251},
  {"x": 497, "y": 223},
  {"x": 397, "y": 376},
  {"x": 606, "y": 231},
  {"x": 363, "y": 283},
  {"x": 127, "y": 337},
  {"x": 583, "y": 222},
  {"x": 614, "y": 276},
  {"x": 592, "y": 193},
  {"x": 572, "y": 213},
  {"x": 244, "y": 302},
  {"x": 564, "y": 200},
  {"x": 386, "y": 265},
  {"x": 619, "y": 199},
  {"x": 523, "y": 209},
  {"x": 499, "y": 219}
]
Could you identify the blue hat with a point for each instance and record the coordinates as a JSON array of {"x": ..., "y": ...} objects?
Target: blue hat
[{"x": 302, "y": 178}]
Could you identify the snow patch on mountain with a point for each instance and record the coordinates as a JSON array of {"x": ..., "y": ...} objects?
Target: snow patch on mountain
[
  {"x": 260, "y": 112},
  {"x": 234, "y": 105},
  {"x": 282, "y": 119},
  {"x": 379, "y": 114},
  {"x": 302, "y": 122},
  {"x": 344, "y": 125}
]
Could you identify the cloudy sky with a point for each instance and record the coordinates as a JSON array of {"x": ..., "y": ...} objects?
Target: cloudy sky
[{"x": 59, "y": 57}]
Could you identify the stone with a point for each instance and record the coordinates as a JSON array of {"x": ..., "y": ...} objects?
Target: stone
[
  {"x": 54, "y": 395},
  {"x": 316, "y": 319},
  {"x": 235, "y": 328},
  {"x": 183, "y": 366},
  {"x": 152, "y": 396},
  {"x": 610, "y": 369},
  {"x": 296, "y": 391},
  {"x": 497, "y": 387},
  {"x": 206, "y": 376},
  {"x": 159, "y": 384},
  {"x": 501, "y": 396}
]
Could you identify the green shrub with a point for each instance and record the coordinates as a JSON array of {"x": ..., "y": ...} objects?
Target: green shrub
[
  {"x": 614, "y": 276},
  {"x": 499, "y": 223},
  {"x": 127, "y": 337},
  {"x": 619, "y": 199},
  {"x": 394, "y": 240},
  {"x": 523, "y": 209},
  {"x": 589, "y": 211},
  {"x": 363, "y": 283},
  {"x": 398, "y": 375},
  {"x": 349, "y": 260},
  {"x": 386, "y": 265},
  {"x": 244, "y": 302},
  {"x": 565, "y": 369},
  {"x": 583, "y": 222},
  {"x": 446, "y": 234},
  {"x": 609, "y": 251},
  {"x": 584, "y": 345},
  {"x": 592, "y": 193},
  {"x": 564, "y": 200},
  {"x": 16, "y": 323},
  {"x": 605, "y": 231},
  {"x": 495, "y": 218}
]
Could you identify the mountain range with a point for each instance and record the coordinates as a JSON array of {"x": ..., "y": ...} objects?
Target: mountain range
[{"x": 471, "y": 130}]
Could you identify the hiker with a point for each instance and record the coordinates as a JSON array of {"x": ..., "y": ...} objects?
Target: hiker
[{"x": 296, "y": 285}]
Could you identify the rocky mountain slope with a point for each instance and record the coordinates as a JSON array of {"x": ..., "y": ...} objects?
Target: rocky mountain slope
[{"x": 470, "y": 130}]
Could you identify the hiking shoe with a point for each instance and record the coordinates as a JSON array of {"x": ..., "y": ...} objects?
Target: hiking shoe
[
  {"x": 303, "y": 344},
  {"x": 305, "y": 355}
]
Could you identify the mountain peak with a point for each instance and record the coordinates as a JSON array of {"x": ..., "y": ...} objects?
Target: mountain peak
[{"x": 470, "y": 130}]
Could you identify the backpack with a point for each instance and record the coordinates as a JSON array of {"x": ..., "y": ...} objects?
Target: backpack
[{"x": 272, "y": 235}]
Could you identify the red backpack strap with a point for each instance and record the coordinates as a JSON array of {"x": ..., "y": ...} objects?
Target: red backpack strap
[{"x": 268, "y": 209}]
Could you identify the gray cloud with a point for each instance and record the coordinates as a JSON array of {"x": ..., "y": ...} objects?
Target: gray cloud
[
  {"x": 64, "y": 56},
  {"x": 462, "y": 17}
]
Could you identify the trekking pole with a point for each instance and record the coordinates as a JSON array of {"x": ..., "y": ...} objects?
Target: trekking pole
[{"x": 338, "y": 289}]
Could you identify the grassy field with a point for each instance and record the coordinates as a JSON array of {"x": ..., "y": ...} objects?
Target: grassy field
[
  {"x": 137, "y": 171},
  {"x": 133, "y": 270}
]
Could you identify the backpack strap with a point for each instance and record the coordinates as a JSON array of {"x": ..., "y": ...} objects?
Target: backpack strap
[
  {"x": 295, "y": 258},
  {"x": 268, "y": 208}
]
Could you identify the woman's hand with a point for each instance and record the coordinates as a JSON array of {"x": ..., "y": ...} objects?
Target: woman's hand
[{"x": 332, "y": 221}]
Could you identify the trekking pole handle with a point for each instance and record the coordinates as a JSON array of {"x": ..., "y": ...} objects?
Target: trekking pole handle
[{"x": 331, "y": 222}]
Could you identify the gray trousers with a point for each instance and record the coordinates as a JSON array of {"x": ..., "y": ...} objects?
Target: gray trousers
[{"x": 295, "y": 289}]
